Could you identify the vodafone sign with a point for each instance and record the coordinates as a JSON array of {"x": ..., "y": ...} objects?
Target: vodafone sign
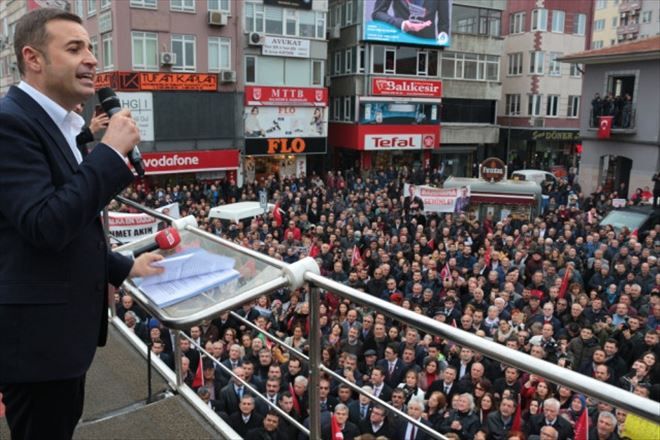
[
  {"x": 406, "y": 87},
  {"x": 381, "y": 142},
  {"x": 190, "y": 161},
  {"x": 296, "y": 96}
]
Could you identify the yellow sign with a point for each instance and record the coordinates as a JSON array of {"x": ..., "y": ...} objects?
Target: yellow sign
[{"x": 637, "y": 428}]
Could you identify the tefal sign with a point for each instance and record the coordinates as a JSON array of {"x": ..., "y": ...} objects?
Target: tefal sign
[
  {"x": 406, "y": 87},
  {"x": 379, "y": 142},
  {"x": 296, "y": 96}
]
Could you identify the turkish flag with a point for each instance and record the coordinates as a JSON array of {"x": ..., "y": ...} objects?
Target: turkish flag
[
  {"x": 198, "y": 381},
  {"x": 564, "y": 282},
  {"x": 604, "y": 126},
  {"x": 356, "y": 258},
  {"x": 581, "y": 429},
  {"x": 277, "y": 214},
  {"x": 335, "y": 430}
]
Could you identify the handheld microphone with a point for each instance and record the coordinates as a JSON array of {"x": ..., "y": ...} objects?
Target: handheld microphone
[
  {"x": 111, "y": 105},
  {"x": 166, "y": 239}
]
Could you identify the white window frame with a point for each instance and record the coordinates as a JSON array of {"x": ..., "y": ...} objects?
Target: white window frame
[
  {"x": 320, "y": 63},
  {"x": 361, "y": 62},
  {"x": 348, "y": 60},
  {"x": 219, "y": 44},
  {"x": 322, "y": 20},
  {"x": 336, "y": 68},
  {"x": 108, "y": 51},
  {"x": 337, "y": 15},
  {"x": 425, "y": 71},
  {"x": 183, "y": 65},
  {"x": 581, "y": 20},
  {"x": 554, "y": 66},
  {"x": 182, "y": 6},
  {"x": 513, "y": 104},
  {"x": 601, "y": 4},
  {"x": 78, "y": 8},
  {"x": 558, "y": 21},
  {"x": 336, "y": 108},
  {"x": 573, "y": 110},
  {"x": 536, "y": 61},
  {"x": 575, "y": 70},
  {"x": 291, "y": 14},
  {"x": 348, "y": 13},
  {"x": 389, "y": 49},
  {"x": 615, "y": 22},
  {"x": 597, "y": 44},
  {"x": 256, "y": 65},
  {"x": 534, "y": 104},
  {"x": 223, "y": 5},
  {"x": 144, "y": 4},
  {"x": 552, "y": 106},
  {"x": 95, "y": 48},
  {"x": 517, "y": 25},
  {"x": 647, "y": 17},
  {"x": 259, "y": 17},
  {"x": 91, "y": 8},
  {"x": 515, "y": 64},
  {"x": 105, "y": 4},
  {"x": 347, "y": 109},
  {"x": 599, "y": 24},
  {"x": 144, "y": 37},
  {"x": 539, "y": 20}
]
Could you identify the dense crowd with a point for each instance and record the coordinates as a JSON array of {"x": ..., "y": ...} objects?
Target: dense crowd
[{"x": 558, "y": 287}]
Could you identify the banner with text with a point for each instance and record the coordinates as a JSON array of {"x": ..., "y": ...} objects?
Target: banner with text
[
  {"x": 287, "y": 122},
  {"x": 298, "y": 96},
  {"x": 419, "y": 88},
  {"x": 141, "y": 105},
  {"x": 439, "y": 199}
]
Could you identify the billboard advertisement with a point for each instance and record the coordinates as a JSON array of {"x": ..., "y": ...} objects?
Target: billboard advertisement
[
  {"x": 419, "y": 88},
  {"x": 420, "y": 22},
  {"x": 439, "y": 199},
  {"x": 285, "y": 122},
  {"x": 394, "y": 113}
]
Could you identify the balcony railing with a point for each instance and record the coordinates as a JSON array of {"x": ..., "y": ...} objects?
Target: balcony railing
[
  {"x": 627, "y": 6},
  {"x": 632, "y": 28},
  {"x": 625, "y": 122}
]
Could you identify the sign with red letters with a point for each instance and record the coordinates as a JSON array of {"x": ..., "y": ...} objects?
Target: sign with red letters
[
  {"x": 296, "y": 96},
  {"x": 406, "y": 87}
]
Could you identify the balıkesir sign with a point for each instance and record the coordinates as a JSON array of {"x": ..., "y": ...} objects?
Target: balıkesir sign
[
  {"x": 406, "y": 87},
  {"x": 190, "y": 161}
]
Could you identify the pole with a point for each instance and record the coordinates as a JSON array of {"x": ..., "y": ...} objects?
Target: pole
[{"x": 314, "y": 365}]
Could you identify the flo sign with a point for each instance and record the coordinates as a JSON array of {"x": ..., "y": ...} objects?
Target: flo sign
[{"x": 492, "y": 170}]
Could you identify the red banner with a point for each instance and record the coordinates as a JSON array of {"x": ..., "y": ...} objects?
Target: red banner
[
  {"x": 406, "y": 87},
  {"x": 384, "y": 137},
  {"x": 605, "y": 126},
  {"x": 293, "y": 96},
  {"x": 190, "y": 161},
  {"x": 158, "y": 81}
]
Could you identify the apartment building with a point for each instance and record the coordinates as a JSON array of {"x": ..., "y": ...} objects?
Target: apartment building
[
  {"x": 418, "y": 98},
  {"x": 10, "y": 12},
  {"x": 620, "y": 21},
  {"x": 541, "y": 97}
]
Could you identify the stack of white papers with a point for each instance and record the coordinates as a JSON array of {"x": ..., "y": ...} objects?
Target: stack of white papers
[{"x": 186, "y": 275}]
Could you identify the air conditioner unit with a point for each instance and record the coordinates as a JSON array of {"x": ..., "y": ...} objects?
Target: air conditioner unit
[
  {"x": 256, "y": 39},
  {"x": 217, "y": 18},
  {"x": 334, "y": 33},
  {"x": 228, "y": 76},
  {"x": 167, "y": 58}
]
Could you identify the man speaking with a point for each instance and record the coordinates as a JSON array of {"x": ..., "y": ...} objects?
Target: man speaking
[{"x": 54, "y": 262}]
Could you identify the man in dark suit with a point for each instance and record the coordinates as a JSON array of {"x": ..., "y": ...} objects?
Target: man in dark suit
[
  {"x": 550, "y": 417},
  {"x": 377, "y": 424},
  {"x": 359, "y": 410},
  {"x": 231, "y": 394},
  {"x": 55, "y": 266},
  {"x": 381, "y": 389},
  {"x": 392, "y": 365},
  {"x": 246, "y": 418},
  {"x": 407, "y": 430},
  {"x": 416, "y": 17}
]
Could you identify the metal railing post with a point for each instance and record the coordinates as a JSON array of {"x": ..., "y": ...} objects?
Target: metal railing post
[
  {"x": 177, "y": 360},
  {"x": 314, "y": 364}
]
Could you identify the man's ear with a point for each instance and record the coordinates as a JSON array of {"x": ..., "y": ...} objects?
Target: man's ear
[{"x": 33, "y": 60}]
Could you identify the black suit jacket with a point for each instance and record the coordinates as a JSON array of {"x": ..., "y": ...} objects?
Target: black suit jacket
[
  {"x": 385, "y": 431},
  {"x": 562, "y": 426},
  {"x": 242, "y": 428},
  {"x": 394, "y": 379},
  {"x": 419, "y": 434},
  {"x": 435, "y": 11},
  {"x": 55, "y": 264}
]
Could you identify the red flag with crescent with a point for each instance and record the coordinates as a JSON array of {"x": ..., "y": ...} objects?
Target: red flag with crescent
[{"x": 604, "y": 126}]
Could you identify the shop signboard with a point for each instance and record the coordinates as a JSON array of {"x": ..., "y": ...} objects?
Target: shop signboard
[
  {"x": 190, "y": 161},
  {"x": 285, "y": 47},
  {"x": 275, "y": 96},
  {"x": 492, "y": 170},
  {"x": 420, "y": 88},
  {"x": 284, "y": 145},
  {"x": 285, "y": 122}
]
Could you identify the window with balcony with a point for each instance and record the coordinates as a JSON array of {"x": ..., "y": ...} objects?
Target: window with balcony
[
  {"x": 184, "y": 48},
  {"x": 540, "y": 20},
  {"x": 536, "y": 60},
  {"x": 517, "y": 23},
  {"x": 515, "y": 63},
  {"x": 573, "y": 107},
  {"x": 579, "y": 24},
  {"x": 478, "y": 21},
  {"x": 144, "y": 48},
  {"x": 513, "y": 105},
  {"x": 552, "y": 106},
  {"x": 534, "y": 105},
  {"x": 558, "y": 18},
  {"x": 219, "y": 54},
  {"x": 182, "y": 5}
]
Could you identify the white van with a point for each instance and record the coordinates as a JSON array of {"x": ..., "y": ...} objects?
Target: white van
[{"x": 538, "y": 176}]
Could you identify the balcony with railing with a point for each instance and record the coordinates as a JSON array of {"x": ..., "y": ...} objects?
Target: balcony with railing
[
  {"x": 632, "y": 28},
  {"x": 629, "y": 6},
  {"x": 624, "y": 122}
]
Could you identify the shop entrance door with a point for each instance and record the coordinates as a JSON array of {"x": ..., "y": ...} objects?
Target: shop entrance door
[{"x": 615, "y": 174}]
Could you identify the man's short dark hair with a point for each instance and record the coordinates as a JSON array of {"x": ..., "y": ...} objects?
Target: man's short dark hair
[{"x": 31, "y": 31}]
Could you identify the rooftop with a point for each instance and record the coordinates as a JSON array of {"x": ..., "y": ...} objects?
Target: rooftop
[{"x": 644, "y": 49}]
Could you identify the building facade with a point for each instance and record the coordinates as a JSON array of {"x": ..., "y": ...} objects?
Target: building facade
[
  {"x": 620, "y": 21},
  {"x": 415, "y": 102},
  {"x": 629, "y": 155},
  {"x": 10, "y": 12},
  {"x": 541, "y": 97}
]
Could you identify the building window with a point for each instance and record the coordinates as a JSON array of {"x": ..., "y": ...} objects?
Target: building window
[
  {"x": 615, "y": 22},
  {"x": 552, "y": 105},
  {"x": 337, "y": 64},
  {"x": 95, "y": 46},
  {"x": 78, "y": 8},
  {"x": 274, "y": 22},
  {"x": 646, "y": 16},
  {"x": 515, "y": 63},
  {"x": 573, "y": 107},
  {"x": 219, "y": 54},
  {"x": 105, "y": 4},
  {"x": 348, "y": 113},
  {"x": 320, "y": 25},
  {"x": 601, "y": 4},
  {"x": 422, "y": 63},
  {"x": 597, "y": 44},
  {"x": 182, "y": 5},
  {"x": 91, "y": 7},
  {"x": 337, "y": 11},
  {"x": 517, "y": 23},
  {"x": 536, "y": 62},
  {"x": 575, "y": 70},
  {"x": 599, "y": 25},
  {"x": 513, "y": 105},
  {"x": 534, "y": 105},
  {"x": 107, "y": 52},
  {"x": 540, "y": 20},
  {"x": 317, "y": 72},
  {"x": 580, "y": 24},
  {"x": 290, "y": 22},
  {"x": 470, "y": 66},
  {"x": 250, "y": 69},
  {"x": 148, "y": 4},
  {"x": 348, "y": 12},
  {"x": 184, "y": 48},
  {"x": 558, "y": 21},
  {"x": 336, "y": 109},
  {"x": 254, "y": 17},
  {"x": 478, "y": 21},
  {"x": 390, "y": 60},
  {"x": 145, "y": 50},
  {"x": 220, "y": 5},
  {"x": 361, "y": 59},
  {"x": 554, "y": 69},
  {"x": 348, "y": 60}
]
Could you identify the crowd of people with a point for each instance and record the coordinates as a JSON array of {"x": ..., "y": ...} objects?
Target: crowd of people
[
  {"x": 619, "y": 107},
  {"x": 558, "y": 287}
]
